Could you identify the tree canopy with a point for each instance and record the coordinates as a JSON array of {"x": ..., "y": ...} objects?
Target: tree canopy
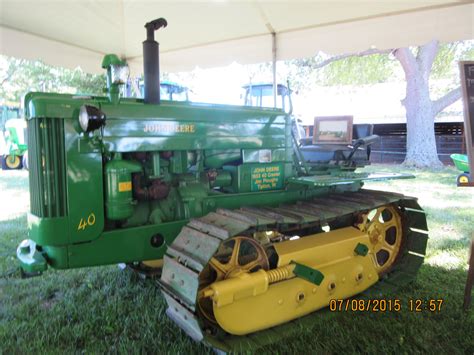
[
  {"x": 18, "y": 77},
  {"x": 372, "y": 69}
]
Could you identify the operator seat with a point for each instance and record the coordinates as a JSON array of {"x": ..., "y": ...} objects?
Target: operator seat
[{"x": 351, "y": 143}]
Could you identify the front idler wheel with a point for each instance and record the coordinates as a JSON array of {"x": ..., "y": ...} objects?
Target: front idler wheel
[{"x": 234, "y": 257}]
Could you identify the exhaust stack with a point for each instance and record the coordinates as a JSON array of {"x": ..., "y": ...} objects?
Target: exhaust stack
[{"x": 151, "y": 62}]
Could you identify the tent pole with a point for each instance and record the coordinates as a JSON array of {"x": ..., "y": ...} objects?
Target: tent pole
[{"x": 274, "y": 57}]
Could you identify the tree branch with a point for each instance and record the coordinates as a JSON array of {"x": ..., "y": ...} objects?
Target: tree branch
[
  {"x": 447, "y": 100},
  {"x": 6, "y": 78},
  {"x": 406, "y": 59},
  {"x": 427, "y": 54},
  {"x": 347, "y": 55},
  {"x": 12, "y": 69}
]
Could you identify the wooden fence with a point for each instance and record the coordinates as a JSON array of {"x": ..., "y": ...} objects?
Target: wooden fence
[{"x": 392, "y": 149}]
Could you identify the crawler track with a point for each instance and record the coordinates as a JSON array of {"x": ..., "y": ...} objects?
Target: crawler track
[{"x": 200, "y": 239}]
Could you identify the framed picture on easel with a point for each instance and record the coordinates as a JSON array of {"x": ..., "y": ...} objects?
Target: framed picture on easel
[{"x": 332, "y": 130}]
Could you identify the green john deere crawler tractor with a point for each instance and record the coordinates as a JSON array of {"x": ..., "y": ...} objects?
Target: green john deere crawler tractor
[{"x": 248, "y": 226}]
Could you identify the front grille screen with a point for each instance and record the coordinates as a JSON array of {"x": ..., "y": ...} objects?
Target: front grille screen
[{"x": 47, "y": 168}]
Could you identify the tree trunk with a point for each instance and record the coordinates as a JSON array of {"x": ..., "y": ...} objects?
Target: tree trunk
[
  {"x": 420, "y": 113},
  {"x": 420, "y": 109},
  {"x": 421, "y": 141}
]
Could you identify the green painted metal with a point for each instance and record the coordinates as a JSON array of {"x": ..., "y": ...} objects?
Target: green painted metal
[
  {"x": 156, "y": 165},
  {"x": 47, "y": 171},
  {"x": 80, "y": 161},
  {"x": 111, "y": 59},
  {"x": 85, "y": 181},
  {"x": 48, "y": 231},
  {"x": 346, "y": 178},
  {"x": 118, "y": 191},
  {"x": 31, "y": 259},
  {"x": 361, "y": 249},
  {"x": 217, "y": 158},
  {"x": 13, "y": 140},
  {"x": 266, "y": 177},
  {"x": 461, "y": 162},
  {"x": 127, "y": 245},
  {"x": 208, "y": 156},
  {"x": 111, "y": 62},
  {"x": 222, "y": 179},
  {"x": 308, "y": 273}
]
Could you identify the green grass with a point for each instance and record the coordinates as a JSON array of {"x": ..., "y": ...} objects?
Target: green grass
[{"x": 104, "y": 309}]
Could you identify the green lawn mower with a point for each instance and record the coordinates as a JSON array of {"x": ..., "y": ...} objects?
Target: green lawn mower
[
  {"x": 14, "y": 150},
  {"x": 461, "y": 162}
]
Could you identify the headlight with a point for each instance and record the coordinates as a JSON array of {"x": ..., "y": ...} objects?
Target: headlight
[
  {"x": 91, "y": 118},
  {"x": 120, "y": 73}
]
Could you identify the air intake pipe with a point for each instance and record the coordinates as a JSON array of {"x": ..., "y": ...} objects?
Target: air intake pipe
[{"x": 151, "y": 62}]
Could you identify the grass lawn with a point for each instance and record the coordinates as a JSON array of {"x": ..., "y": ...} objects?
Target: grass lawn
[{"x": 104, "y": 309}]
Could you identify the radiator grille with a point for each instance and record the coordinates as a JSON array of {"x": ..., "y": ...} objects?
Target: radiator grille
[{"x": 47, "y": 168}]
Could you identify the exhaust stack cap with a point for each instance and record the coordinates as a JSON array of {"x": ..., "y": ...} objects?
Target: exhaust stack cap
[
  {"x": 153, "y": 26},
  {"x": 151, "y": 62}
]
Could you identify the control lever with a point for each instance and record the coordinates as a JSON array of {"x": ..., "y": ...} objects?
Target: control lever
[{"x": 366, "y": 141}]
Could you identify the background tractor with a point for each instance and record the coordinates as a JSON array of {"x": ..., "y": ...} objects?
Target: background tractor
[{"x": 13, "y": 145}]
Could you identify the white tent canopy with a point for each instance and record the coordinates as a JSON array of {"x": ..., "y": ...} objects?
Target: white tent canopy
[{"x": 73, "y": 33}]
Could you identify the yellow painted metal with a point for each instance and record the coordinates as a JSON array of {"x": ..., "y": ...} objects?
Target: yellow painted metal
[
  {"x": 258, "y": 284},
  {"x": 12, "y": 162},
  {"x": 158, "y": 263},
  {"x": 125, "y": 186},
  {"x": 327, "y": 248},
  {"x": 463, "y": 180},
  {"x": 250, "y": 302},
  {"x": 234, "y": 265},
  {"x": 265, "y": 237},
  {"x": 384, "y": 227},
  {"x": 231, "y": 262}
]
